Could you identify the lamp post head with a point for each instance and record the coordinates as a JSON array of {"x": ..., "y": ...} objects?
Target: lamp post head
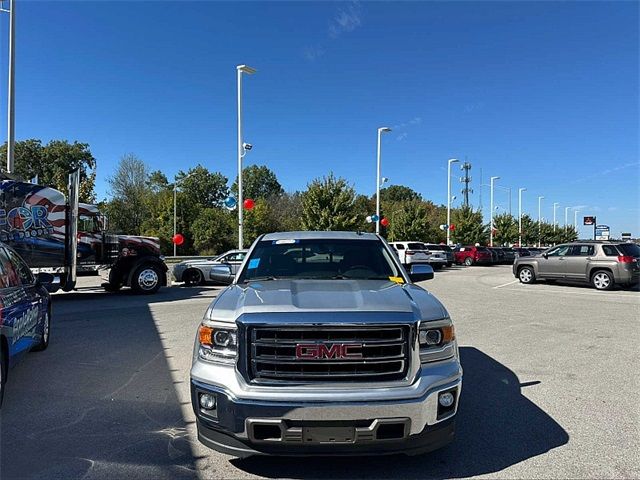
[
  {"x": 246, "y": 69},
  {"x": 495, "y": 178},
  {"x": 453, "y": 160},
  {"x": 384, "y": 130}
]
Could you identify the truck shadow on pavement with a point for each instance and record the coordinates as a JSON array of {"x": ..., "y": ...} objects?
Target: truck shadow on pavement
[
  {"x": 102, "y": 400},
  {"x": 497, "y": 427}
]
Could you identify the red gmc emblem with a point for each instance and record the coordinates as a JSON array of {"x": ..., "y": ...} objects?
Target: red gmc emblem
[{"x": 333, "y": 351}]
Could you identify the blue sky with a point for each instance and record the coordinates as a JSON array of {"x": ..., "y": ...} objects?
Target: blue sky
[{"x": 544, "y": 95}]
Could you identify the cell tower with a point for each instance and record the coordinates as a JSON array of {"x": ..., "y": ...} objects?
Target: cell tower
[{"x": 466, "y": 181}]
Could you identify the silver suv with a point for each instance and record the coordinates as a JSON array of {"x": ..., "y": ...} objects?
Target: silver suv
[
  {"x": 603, "y": 264},
  {"x": 322, "y": 345}
]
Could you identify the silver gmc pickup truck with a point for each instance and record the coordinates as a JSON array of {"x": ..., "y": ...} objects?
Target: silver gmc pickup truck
[{"x": 322, "y": 345}]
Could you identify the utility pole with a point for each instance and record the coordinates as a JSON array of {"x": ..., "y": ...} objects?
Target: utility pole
[
  {"x": 11, "y": 102},
  {"x": 466, "y": 181},
  {"x": 480, "y": 194}
]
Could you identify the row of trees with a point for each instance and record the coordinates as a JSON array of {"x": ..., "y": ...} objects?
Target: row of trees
[{"x": 141, "y": 203}]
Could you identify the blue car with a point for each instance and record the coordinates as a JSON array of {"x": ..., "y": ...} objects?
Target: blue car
[{"x": 25, "y": 311}]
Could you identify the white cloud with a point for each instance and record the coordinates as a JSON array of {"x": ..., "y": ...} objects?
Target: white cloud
[
  {"x": 346, "y": 20},
  {"x": 402, "y": 136}
]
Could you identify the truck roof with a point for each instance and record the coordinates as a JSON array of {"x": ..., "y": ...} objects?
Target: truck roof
[{"x": 320, "y": 235}]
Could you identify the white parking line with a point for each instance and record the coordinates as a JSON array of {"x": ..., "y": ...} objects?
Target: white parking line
[
  {"x": 505, "y": 284},
  {"x": 603, "y": 295}
]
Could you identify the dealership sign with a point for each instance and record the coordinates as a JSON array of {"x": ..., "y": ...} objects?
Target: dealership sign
[
  {"x": 602, "y": 232},
  {"x": 589, "y": 221}
]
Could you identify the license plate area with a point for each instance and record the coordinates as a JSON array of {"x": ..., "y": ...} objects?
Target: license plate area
[{"x": 328, "y": 434}]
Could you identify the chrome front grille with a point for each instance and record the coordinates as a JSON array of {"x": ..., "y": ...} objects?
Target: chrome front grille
[{"x": 282, "y": 353}]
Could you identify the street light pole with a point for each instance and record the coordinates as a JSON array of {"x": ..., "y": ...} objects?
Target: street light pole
[
  {"x": 491, "y": 216},
  {"x": 555, "y": 206},
  {"x": 566, "y": 216},
  {"x": 381, "y": 130},
  {"x": 540, "y": 220},
  {"x": 11, "y": 103},
  {"x": 241, "y": 151},
  {"x": 575, "y": 220},
  {"x": 520, "y": 190},
  {"x": 451, "y": 160}
]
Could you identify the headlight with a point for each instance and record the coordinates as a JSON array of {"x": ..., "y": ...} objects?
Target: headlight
[
  {"x": 437, "y": 340},
  {"x": 217, "y": 344}
]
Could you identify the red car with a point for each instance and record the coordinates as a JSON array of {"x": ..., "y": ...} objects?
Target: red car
[{"x": 471, "y": 255}]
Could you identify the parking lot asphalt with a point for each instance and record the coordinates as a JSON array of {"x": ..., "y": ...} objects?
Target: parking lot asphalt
[{"x": 550, "y": 389}]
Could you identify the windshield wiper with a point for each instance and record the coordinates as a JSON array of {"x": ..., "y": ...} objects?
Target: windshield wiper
[
  {"x": 346, "y": 277},
  {"x": 260, "y": 279}
]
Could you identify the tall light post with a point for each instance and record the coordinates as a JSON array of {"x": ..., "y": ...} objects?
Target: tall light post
[
  {"x": 241, "y": 146},
  {"x": 575, "y": 220},
  {"x": 451, "y": 160},
  {"x": 11, "y": 103},
  {"x": 540, "y": 197},
  {"x": 520, "y": 190},
  {"x": 555, "y": 206},
  {"x": 175, "y": 208},
  {"x": 381, "y": 130},
  {"x": 493, "y": 179},
  {"x": 566, "y": 216}
]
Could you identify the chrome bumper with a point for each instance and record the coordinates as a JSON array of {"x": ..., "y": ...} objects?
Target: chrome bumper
[{"x": 294, "y": 411}]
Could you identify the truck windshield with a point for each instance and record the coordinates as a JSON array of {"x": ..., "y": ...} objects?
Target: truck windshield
[{"x": 320, "y": 259}]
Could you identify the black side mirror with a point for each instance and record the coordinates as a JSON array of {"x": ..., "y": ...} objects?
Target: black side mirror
[
  {"x": 545, "y": 255},
  {"x": 420, "y": 273},
  {"x": 44, "y": 279}
]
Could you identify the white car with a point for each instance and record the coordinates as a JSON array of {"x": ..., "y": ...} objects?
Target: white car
[{"x": 411, "y": 252}]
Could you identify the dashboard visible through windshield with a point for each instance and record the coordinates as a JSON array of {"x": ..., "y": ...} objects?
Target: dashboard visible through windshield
[{"x": 320, "y": 259}]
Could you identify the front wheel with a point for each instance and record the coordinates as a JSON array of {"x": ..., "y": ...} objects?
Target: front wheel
[
  {"x": 468, "y": 261},
  {"x": 602, "y": 280},
  {"x": 526, "y": 275},
  {"x": 46, "y": 333},
  {"x": 193, "y": 278},
  {"x": 146, "y": 279}
]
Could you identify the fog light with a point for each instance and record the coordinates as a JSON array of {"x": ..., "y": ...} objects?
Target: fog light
[
  {"x": 207, "y": 402},
  {"x": 446, "y": 399}
]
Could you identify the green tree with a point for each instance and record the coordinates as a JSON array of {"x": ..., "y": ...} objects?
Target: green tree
[
  {"x": 202, "y": 187},
  {"x": 213, "y": 231},
  {"x": 258, "y": 220},
  {"x": 258, "y": 182},
  {"x": 53, "y": 162},
  {"x": 409, "y": 222},
  {"x": 469, "y": 226},
  {"x": 285, "y": 210},
  {"x": 398, "y": 193},
  {"x": 329, "y": 204},
  {"x": 128, "y": 208},
  {"x": 529, "y": 231},
  {"x": 505, "y": 229}
]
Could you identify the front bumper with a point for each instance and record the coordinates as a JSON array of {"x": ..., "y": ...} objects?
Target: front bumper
[{"x": 345, "y": 421}]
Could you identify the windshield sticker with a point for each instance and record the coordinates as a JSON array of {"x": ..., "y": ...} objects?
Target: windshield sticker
[
  {"x": 285, "y": 242},
  {"x": 253, "y": 263},
  {"x": 396, "y": 279}
]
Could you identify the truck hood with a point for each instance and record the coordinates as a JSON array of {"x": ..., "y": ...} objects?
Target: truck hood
[{"x": 299, "y": 296}]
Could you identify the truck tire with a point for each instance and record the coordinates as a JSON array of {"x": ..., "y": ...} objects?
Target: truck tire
[
  {"x": 526, "y": 275},
  {"x": 44, "y": 340},
  {"x": 468, "y": 261},
  {"x": 602, "y": 280},
  {"x": 146, "y": 279}
]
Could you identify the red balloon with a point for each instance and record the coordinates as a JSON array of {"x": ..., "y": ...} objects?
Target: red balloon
[
  {"x": 249, "y": 203},
  {"x": 178, "y": 239},
  {"x": 452, "y": 227},
  {"x": 384, "y": 222}
]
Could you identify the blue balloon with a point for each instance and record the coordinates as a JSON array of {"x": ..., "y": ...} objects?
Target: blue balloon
[
  {"x": 230, "y": 203},
  {"x": 374, "y": 218}
]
